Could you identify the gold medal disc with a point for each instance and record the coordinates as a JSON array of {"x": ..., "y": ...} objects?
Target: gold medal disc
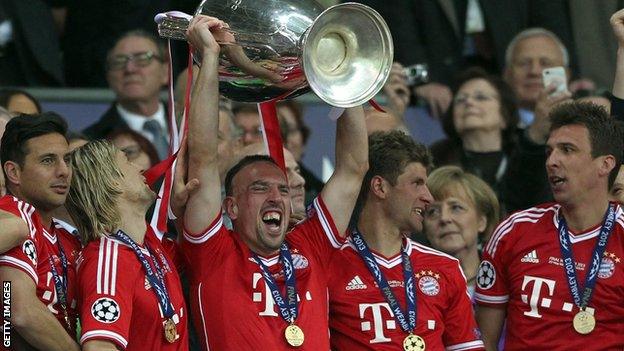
[
  {"x": 413, "y": 343},
  {"x": 170, "y": 330},
  {"x": 294, "y": 335},
  {"x": 584, "y": 322}
]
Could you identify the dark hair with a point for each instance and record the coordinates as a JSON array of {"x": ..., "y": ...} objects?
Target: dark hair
[
  {"x": 297, "y": 111},
  {"x": 606, "y": 137},
  {"x": 145, "y": 145},
  {"x": 7, "y": 93},
  {"x": 160, "y": 44},
  {"x": 73, "y": 135},
  {"x": 24, "y": 127},
  {"x": 508, "y": 106},
  {"x": 389, "y": 153},
  {"x": 246, "y": 161}
]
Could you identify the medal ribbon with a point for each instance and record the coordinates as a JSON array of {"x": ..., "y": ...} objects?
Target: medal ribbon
[
  {"x": 288, "y": 306},
  {"x": 569, "y": 263},
  {"x": 60, "y": 284},
  {"x": 155, "y": 277},
  {"x": 407, "y": 324}
]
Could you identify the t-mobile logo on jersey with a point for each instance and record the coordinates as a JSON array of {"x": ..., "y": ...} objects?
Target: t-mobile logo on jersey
[
  {"x": 262, "y": 293},
  {"x": 378, "y": 321},
  {"x": 535, "y": 299}
]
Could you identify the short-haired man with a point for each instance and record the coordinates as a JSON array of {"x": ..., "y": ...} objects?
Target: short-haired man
[
  {"x": 238, "y": 276},
  {"x": 41, "y": 270},
  {"x": 387, "y": 292},
  {"x": 554, "y": 272},
  {"x": 136, "y": 71}
]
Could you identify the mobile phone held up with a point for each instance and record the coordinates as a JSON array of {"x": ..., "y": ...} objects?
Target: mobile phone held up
[{"x": 556, "y": 76}]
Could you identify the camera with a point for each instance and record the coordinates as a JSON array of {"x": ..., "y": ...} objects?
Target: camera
[{"x": 417, "y": 74}]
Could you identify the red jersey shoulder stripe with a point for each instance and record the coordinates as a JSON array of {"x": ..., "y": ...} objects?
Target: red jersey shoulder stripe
[
  {"x": 107, "y": 266},
  {"x": 501, "y": 299},
  {"x": 327, "y": 223},
  {"x": 212, "y": 229},
  {"x": 531, "y": 215}
]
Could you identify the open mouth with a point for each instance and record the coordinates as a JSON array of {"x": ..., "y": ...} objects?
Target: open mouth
[
  {"x": 272, "y": 220},
  {"x": 556, "y": 181}
]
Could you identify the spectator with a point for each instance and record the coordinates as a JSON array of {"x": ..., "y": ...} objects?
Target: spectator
[
  {"x": 136, "y": 147},
  {"x": 136, "y": 71},
  {"x": 295, "y": 134},
  {"x": 527, "y": 55},
  {"x": 19, "y": 101},
  {"x": 30, "y": 54},
  {"x": 247, "y": 120},
  {"x": 462, "y": 216},
  {"x": 481, "y": 127}
]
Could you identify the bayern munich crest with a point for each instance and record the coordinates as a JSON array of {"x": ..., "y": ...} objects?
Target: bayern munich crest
[
  {"x": 607, "y": 265},
  {"x": 105, "y": 310},
  {"x": 486, "y": 277},
  {"x": 428, "y": 282},
  {"x": 299, "y": 261}
]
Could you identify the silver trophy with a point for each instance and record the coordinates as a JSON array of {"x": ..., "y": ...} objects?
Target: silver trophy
[{"x": 282, "y": 48}]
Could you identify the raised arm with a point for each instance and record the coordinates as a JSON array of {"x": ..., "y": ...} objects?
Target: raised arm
[
  {"x": 31, "y": 318},
  {"x": 14, "y": 231},
  {"x": 205, "y": 203},
  {"x": 617, "y": 23},
  {"x": 341, "y": 191}
]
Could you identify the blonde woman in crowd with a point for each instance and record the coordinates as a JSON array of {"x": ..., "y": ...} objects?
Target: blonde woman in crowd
[{"x": 463, "y": 215}]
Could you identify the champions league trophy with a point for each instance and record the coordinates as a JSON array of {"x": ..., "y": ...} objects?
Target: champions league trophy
[{"x": 282, "y": 48}]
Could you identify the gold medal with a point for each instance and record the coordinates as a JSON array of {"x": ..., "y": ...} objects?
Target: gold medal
[
  {"x": 170, "y": 330},
  {"x": 584, "y": 322},
  {"x": 294, "y": 335},
  {"x": 413, "y": 343}
]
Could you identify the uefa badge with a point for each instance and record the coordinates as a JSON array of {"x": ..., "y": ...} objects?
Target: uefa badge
[
  {"x": 428, "y": 282},
  {"x": 29, "y": 249},
  {"x": 105, "y": 310},
  {"x": 486, "y": 275}
]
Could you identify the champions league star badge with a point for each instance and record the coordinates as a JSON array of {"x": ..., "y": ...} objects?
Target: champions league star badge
[
  {"x": 486, "y": 277},
  {"x": 105, "y": 310},
  {"x": 30, "y": 251}
]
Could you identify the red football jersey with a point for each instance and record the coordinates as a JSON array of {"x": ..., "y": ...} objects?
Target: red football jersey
[
  {"x": 361, "y": 319},
  {"x": 118, "y": 304},
  {"x": 232, "y": 306},
  {"x": 33, "y": 257},
  {"x": 522, "y": 271}
]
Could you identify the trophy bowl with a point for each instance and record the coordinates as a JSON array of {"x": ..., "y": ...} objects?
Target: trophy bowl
[{"x": 284, "y": 48}]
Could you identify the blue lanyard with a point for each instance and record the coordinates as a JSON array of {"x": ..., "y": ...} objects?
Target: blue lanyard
[
  {"x": 60, "y": 284},
  {"x": 594, "y": 266},
  {"x": 155, "y": 277},
  {"x": 407, "y": 324},
  {"x": 288, "y": 306}
]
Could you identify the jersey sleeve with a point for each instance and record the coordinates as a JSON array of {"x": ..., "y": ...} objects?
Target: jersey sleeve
[
  {"x": 203, "y": 249},
  {"x": 492, "y": 288},
  {"x": 106, "y": 288},
  {"x": 461, "y": 331},
  {"x": 318, "y": 231},
  {"x": 25, "y": 256}
]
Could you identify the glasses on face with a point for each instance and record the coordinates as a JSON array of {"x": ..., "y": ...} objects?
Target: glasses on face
[
  {"x": 479, "y": 97},
  {"x": 141, "y": 59}
]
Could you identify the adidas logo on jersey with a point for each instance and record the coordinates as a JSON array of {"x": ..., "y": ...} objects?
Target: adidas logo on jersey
[
  {"x": 530, "y": 257},
  {"x": 356, "y": 284}
]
